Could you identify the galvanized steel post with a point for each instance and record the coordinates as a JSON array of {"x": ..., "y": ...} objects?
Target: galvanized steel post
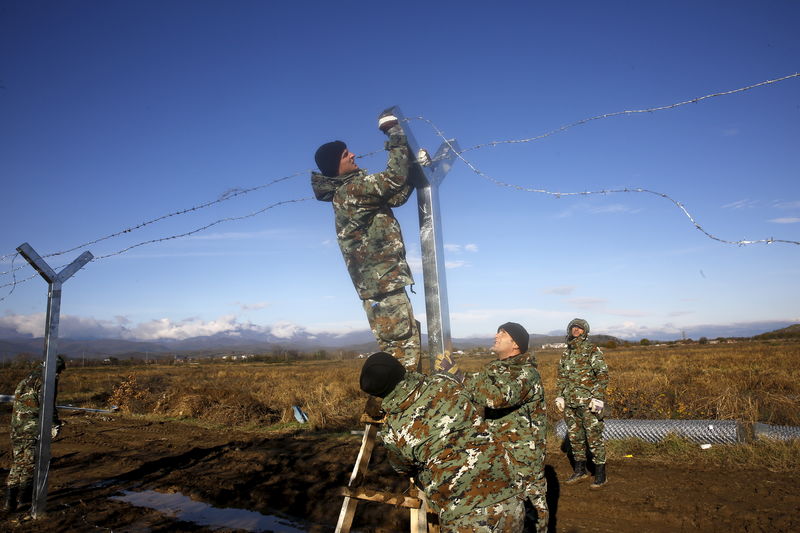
[
  {"x": 47, "y": 396},
  {"x": 427, "y": 180}
]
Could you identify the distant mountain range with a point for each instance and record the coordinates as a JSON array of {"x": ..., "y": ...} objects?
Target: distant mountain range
[{"x": 247, "y": 341}]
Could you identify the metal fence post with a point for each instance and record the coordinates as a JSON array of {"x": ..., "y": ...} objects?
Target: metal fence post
[
  {"x": 48, "y": 394},
  {"x": 427, "y": 181}
]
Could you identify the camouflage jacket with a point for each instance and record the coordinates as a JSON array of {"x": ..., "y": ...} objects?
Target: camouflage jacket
[
  {"x": 433, "y": 432},
  {"x": 513, "y": 396},
  {"x": 368, "y": 233},
  {"x": 25, "y": 414},
  {"x": 582, "y": 373}
]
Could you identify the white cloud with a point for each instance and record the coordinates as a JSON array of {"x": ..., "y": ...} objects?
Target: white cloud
[
  {"x": 458, "y": 248},
  {"x": 598, "y": 210},
  {"x": 740, "y": 204},
  {"x": 588, "y": 303},
  {"x": 787, "y": 205},
  {"x": 562, "y": 290},
  {"x": 613, "y": 208},
  {"x": 165, "y": 328},
  {"x": 454, "y": 264},
  {"x": 285, "y": 330},
  {"x": 785, "y": 220},
  {"x": 473, "y": 322},
  {"x": 626, "y": 312},
  {"x": 414, "y": 262},
  {"x": 25, "y": 324},
  {"x": 251, "y": 307}
]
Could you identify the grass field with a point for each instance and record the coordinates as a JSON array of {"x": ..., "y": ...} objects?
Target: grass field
[{"x": 746, "y": 381}]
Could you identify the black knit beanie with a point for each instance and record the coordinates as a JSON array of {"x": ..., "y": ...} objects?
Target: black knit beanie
[
  {"x": 380, "y": 374},
  {"x": 328, "y": 156},
  {"x": 518, "y": 333}
]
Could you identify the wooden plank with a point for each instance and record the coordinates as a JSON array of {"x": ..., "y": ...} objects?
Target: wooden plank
[{"x": 390, "y": 498}]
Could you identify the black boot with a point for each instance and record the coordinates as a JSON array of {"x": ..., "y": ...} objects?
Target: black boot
[
  {"x": 599, "y": 476},
  {"x": 579, "y": 474},
  {"x": 10, "y": 504}
]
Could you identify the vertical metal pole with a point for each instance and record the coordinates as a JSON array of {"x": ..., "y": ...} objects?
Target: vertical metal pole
[
  {"x": 47, "y": 397},
  {"x": 427, "y": 181}
]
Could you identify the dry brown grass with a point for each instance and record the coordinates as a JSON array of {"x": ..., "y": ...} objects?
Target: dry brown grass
[{"x": 748, "y": 381}]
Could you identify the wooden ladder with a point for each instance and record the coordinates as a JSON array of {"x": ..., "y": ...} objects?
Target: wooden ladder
[{"x": 415, "y": 500}]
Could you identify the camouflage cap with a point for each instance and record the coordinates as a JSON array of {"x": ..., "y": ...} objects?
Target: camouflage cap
[{"x": 380, "y": 374}]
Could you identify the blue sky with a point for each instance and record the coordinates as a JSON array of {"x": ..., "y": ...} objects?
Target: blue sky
[{"x": 116, "y": 113}]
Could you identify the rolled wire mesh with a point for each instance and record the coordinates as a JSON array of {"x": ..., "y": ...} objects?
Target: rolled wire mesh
[
  {"x": 700, "y": 431},
  {"x": 776, "y": 432}
]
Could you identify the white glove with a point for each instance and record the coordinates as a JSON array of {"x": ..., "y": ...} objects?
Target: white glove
[
  {"x": 560, "y": 404},
  {"x": 386, "y": 121},
  {"x": 596, "y": 406},
  {"x": 423, "y": 158},
  {"x": 54, "y": 431}
]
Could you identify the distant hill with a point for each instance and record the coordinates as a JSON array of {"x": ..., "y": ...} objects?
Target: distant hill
[
  {"x": 790, "y": 332},
  {"x": 245, "y": 341}
]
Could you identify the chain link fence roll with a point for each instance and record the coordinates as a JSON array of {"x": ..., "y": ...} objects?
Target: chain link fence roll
[{"x": 699, "y": 431}]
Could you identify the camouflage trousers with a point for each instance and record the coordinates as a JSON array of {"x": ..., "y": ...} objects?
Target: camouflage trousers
[
  {"x": 585, "y": 430},
  {"x": 507, "y": 516},
  {"x": 23, "y": 462},
  {"x": 392, "y": 322},
  {"x": 536, "y": 491}
]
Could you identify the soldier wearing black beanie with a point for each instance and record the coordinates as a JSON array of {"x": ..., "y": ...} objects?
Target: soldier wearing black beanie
[{"x": 328, "y": 156}]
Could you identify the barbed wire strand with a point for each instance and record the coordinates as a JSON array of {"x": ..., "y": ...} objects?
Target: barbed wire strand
[
  {"x": 16, "y": 282},
  {"x": 628, "y": 112},
  {"x": 225, "y": 196},
  {"x": 558, "y": 194},
  {"x": 233, "y": 193}
]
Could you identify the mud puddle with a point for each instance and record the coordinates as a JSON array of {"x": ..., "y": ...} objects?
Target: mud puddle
[{"x": 181, "y": 507}]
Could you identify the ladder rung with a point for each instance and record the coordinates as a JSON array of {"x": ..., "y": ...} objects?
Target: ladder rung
[{"x": 399, "y": 500}]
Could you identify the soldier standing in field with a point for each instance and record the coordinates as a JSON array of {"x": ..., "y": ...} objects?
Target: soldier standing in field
[
  {"x": 369, "y": 236},
  {"x": 434, "y": 433},
  {"x": 581, "y": 389},
  {"x": 25, "y": 434},
  {"x": 510, "y": 389}
]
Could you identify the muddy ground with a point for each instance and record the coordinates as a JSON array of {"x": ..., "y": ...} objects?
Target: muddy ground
[{"x": 298, "y": 476}]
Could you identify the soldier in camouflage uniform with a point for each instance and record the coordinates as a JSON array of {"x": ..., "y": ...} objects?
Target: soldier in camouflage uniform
[
  {"x": 510, "y": 389},
  {"x": 434, "y": 433},
  {"x": 581, "y": 389},
  {"x": 25, "y": 433},
  {"x": 369, "y": 236}
]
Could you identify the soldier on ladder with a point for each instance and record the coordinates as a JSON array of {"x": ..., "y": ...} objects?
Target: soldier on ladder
[{"x": 370, "y": 238}]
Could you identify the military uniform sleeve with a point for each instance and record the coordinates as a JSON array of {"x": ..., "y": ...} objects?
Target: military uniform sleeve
[
  {"x": 499, "y": 387},
  {"x": 561, "y": 383},
  {"x": 398, "y": 462},
  {"x": 601, "y": 374},
  {"x": 393, "y": 183}
]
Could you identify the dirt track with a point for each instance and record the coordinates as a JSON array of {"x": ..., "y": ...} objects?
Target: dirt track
[{"x": 98, "y": 456}]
